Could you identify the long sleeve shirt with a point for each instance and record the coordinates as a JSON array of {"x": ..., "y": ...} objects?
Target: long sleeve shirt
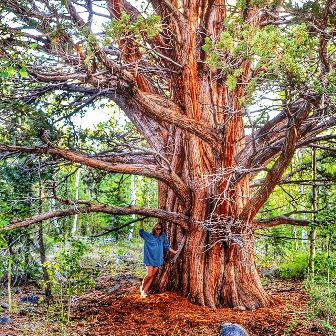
[{"x": 153, "y": 248}]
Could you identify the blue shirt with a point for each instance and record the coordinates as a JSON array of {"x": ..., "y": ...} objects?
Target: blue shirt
[{"x": 153, "y": 248}]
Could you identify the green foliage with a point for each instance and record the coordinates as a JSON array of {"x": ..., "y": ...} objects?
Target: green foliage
[
  {"x": 225, "y": 41},
  {"x": 69, "y": 276},
  {"x": 323, "y": 302},
  {"x": 281, "y": 53},
  {"x": 231, "y": 82},
  {"x": 294, "y": 266},
  {"x": 142, "y": 27},
  {"x": 250, "y": 89}
]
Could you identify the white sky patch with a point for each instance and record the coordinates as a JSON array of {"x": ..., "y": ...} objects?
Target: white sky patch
[
  {"x": 269, "y": 101},
  {"x": 95, "y": 115}
]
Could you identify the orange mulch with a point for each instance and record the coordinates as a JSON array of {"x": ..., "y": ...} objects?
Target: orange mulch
[{"x": 115, "y": 308}]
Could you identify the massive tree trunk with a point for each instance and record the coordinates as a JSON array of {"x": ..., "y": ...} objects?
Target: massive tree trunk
[{"x": 216, "y": 266}]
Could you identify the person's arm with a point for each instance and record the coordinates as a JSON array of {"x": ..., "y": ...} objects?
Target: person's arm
[
  {"x": 141, "y": 229},
  {"x": 142, "y": 233},
  {"x": 172, "y": 250},
  {"x": 166, "y": 245}
]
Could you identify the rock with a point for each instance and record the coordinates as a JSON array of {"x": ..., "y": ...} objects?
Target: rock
[
  {"x": 232, "y": 329},
  {"x": 114, "y": 288},
  {"x": 241, "y": 308},
  {"x": 4, "y": 319},
  {"x": 272, "y": 272},
  {"x": 27, "y": 311},
  {"x": 30, "y": 299}
]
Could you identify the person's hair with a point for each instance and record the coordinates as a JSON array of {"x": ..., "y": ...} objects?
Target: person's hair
[{"x": 153, "y": 230}]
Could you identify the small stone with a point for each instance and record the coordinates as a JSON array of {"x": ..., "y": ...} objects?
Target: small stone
[
  {"x": 232, "y": 329},
  {"x": 114, "y": 288},
  {"x": 4, "y": 319},
  {"x": 271, "y": 273},
  {"x": 27, "y": 311},
  {"x": 30, "y": 299}
]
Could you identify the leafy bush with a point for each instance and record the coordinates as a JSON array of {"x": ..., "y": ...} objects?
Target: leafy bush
[
  {"x": 295, "y": 267},
  {"x": 325, "y": 266},
  {"x": 69, "y": 276},
  {"x": 323, "y": 302}
]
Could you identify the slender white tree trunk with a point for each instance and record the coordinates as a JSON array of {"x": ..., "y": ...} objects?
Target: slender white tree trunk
[
  {"x": 312, "y": 236},
  {"x": 75, "y": 219},
  {"x": 9, "y": 283},
  {"x": 133, "y": 202}
]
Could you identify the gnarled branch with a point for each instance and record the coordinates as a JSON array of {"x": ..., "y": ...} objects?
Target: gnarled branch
[
  {"x": 162, "y": 174},
  {"x": 176, "y": 218},
  {"x": 280, "y": 220}
]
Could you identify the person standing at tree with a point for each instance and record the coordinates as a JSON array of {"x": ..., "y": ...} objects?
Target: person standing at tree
[{"x": 155, "y": 243}]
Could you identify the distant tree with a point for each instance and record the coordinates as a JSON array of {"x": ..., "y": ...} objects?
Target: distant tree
[{"x": 185, "y": 73}]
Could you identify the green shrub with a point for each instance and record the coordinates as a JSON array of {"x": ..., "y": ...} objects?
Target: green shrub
[
  {"x": 69, "y": 277},
  {"x": 294, "y": 267},
  {"x": 323, "y": 302},
  {"x": 325, "y": 266}
]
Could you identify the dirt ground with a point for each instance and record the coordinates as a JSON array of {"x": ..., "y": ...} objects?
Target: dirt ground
[{"x": 114, "y": 308}]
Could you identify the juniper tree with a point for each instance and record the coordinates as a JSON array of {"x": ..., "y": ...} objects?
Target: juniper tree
[{"x": 185, "y": 73}]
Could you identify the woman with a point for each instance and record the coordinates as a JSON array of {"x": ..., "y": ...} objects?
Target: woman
[{"x": 155, "y": 243}]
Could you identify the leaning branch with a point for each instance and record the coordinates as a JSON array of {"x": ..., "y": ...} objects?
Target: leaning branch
[
  {"x": 280, "y": 220},
  {"x": 164, "y": 110},
  {"x": 154, "y": 171},
  {"x": 288, "y": 149},
  {"x": 176, "y": 218}
]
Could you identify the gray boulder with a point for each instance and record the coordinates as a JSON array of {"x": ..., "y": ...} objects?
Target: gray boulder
[
  {"x": 4, "y": 319},
  {"x": 30, "y": 299},
  {"x": 232, "y": 329},
  {"x": 271, "y": 273}
]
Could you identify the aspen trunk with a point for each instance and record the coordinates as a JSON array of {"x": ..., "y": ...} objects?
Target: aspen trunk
[
  {"x": 75, "y": 219},
  {"x": 133, "y": 202},
  {"x": 312, "y": 234},
  {"x": 40, "y": 239}
]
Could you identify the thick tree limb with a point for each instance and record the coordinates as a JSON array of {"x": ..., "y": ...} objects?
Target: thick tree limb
[
  {"x": 301, "y": 182},
  {"x": 119, "y": 227},
  {"x": 161, "y": 6},
  {"x": 280, "y": 220},
  {"x": 162, "y": 174},
  {"x": 176, "y": 218},
  {"x": 274, "y": 175},
  {"x": 154, "y": 106}
]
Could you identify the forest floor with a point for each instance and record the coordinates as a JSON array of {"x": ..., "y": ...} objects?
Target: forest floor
[{"x": 114, "y": 308}]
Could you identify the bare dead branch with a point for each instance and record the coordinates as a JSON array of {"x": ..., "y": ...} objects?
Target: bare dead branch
[
  {"x": 176, "y": 218},
  {"x": 159, "y": 173}
]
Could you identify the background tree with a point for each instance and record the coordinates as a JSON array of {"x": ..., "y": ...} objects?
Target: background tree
[{"x": 185, "y": 73}]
